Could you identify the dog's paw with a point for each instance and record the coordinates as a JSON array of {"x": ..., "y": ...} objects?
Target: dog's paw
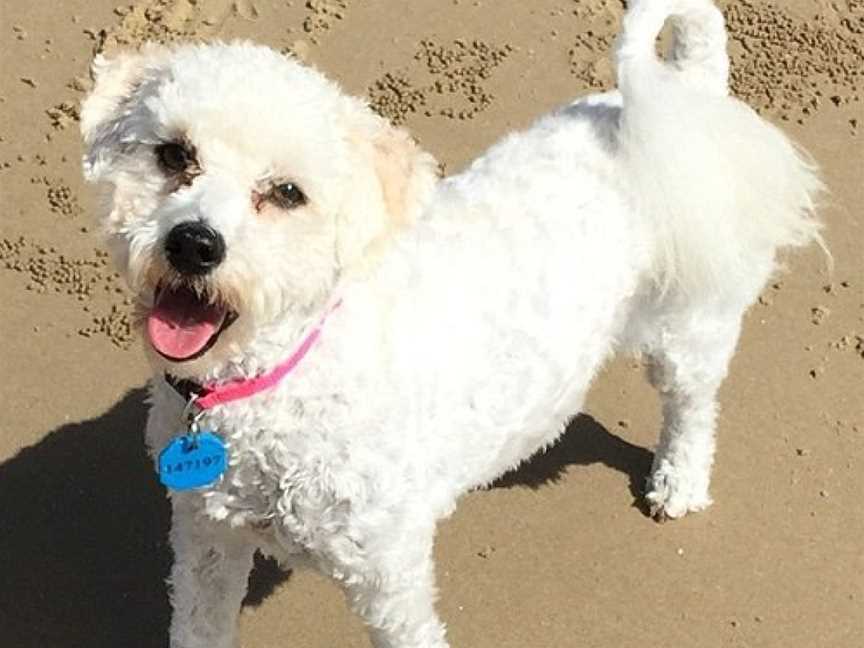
[{"x": 672, "y": 493}]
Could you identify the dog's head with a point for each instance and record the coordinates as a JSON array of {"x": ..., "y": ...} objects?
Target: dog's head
[{"x": 239, "y": 186}]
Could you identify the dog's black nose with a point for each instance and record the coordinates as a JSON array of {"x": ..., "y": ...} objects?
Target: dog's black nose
[{"x": 194, "y": 248}]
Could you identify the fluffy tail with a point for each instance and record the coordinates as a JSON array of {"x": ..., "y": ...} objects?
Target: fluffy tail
[{"x": 722, "y": 188}]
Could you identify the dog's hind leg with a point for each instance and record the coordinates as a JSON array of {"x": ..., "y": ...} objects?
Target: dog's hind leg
[
  {"x": 208, "y": 581},
  {"x": 689, "y": 357}
]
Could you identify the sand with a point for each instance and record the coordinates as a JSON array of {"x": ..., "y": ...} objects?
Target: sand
[{"x": 557, "y": 554}]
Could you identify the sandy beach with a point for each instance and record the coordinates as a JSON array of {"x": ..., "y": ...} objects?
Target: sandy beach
[{"x": 557, "y": 554}]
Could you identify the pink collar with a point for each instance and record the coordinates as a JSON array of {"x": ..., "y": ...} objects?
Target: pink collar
[{"x": 210, "y": 395}]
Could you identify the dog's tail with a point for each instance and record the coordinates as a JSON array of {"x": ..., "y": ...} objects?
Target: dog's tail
[{"x": 722, "y": 188}]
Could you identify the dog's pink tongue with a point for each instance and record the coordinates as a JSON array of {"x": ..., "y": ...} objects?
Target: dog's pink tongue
[{"x": 181, "y": 324}]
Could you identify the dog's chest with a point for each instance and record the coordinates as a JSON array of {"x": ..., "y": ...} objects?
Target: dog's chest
[{"x": 289, "y": 478}]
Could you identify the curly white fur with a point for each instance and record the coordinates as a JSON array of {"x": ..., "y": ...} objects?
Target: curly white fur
[{"x": 475, "y": 309}]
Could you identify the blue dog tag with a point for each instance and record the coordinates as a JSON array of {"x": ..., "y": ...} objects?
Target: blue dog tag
[{"x": 192, "y": 461}]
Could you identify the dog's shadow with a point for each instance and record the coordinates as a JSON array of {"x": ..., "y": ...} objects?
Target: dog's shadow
[
  {"x": 84, "y": 523},
  {"x": 584, "y": 442},
  {"x": 83, "y": 539}
]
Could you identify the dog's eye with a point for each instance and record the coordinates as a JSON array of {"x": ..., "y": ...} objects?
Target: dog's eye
[
  {"x": 287, "y": 196},
  {"x": 174, "y": 157}
]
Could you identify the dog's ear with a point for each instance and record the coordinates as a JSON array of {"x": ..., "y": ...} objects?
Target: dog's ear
[
  {"x": 406, "y": 173},
  {"x": 400, "y": 174},
  {"x": 116, "y": 77}
]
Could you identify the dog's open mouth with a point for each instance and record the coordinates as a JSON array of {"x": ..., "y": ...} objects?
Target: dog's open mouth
[{"x": 183, "y": 324}]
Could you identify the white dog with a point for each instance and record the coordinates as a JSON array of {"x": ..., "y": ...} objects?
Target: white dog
[{"x": 367, "y": 342}]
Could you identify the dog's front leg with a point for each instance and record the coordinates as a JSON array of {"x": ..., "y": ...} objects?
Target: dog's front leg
[
  {"x": 394, "y": 592},
  {"x": 208, "y": 580}
]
